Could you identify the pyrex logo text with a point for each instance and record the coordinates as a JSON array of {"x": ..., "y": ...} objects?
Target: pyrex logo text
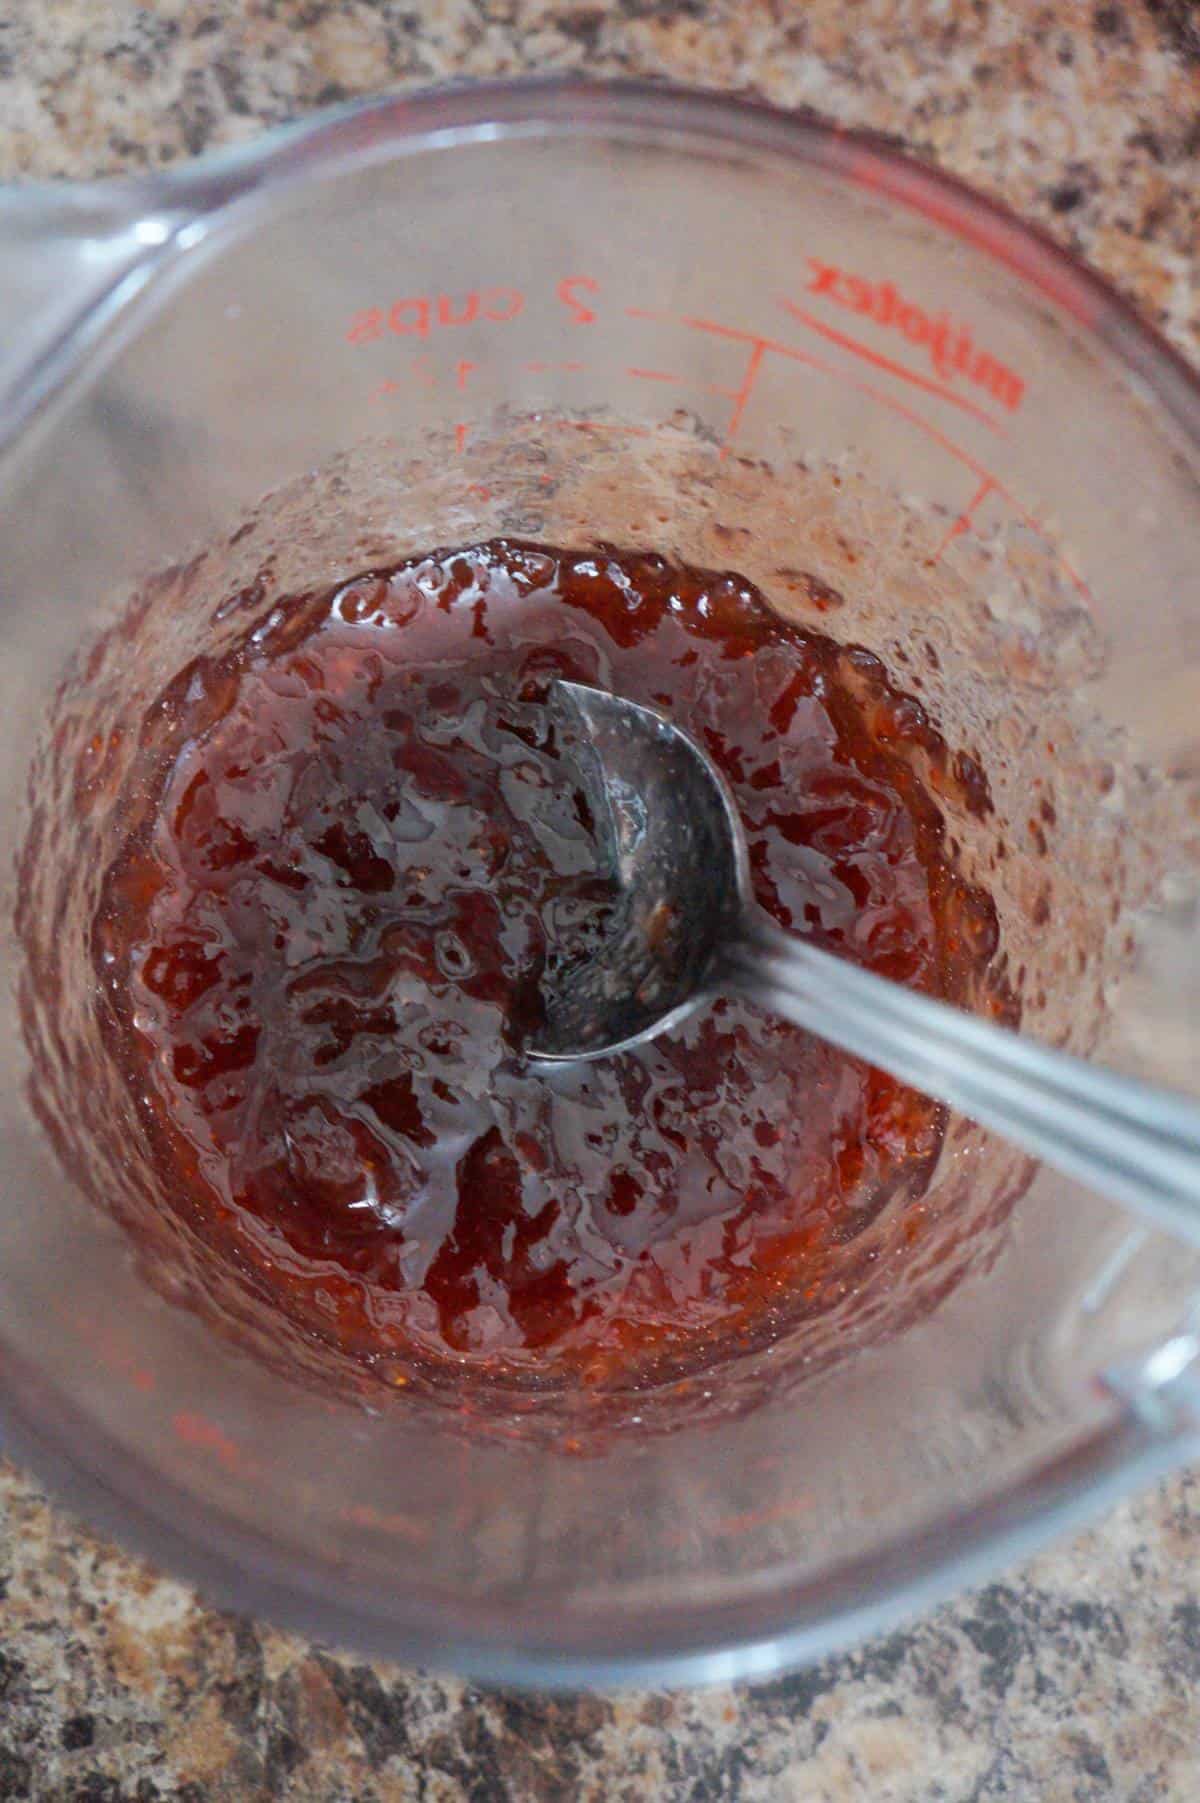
[{"x": 950, "y": 347}]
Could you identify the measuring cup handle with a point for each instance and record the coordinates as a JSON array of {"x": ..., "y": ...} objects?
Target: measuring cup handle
[
  {"x": 1128, "y": 1140},
  {"x": 71, "y": 258}
]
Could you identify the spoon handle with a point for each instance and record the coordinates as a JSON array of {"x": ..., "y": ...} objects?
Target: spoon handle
[{"x": 1129, "y": 1140}]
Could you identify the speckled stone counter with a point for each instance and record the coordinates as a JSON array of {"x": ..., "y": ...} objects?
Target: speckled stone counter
[{"x": 1078, "y": 1676}]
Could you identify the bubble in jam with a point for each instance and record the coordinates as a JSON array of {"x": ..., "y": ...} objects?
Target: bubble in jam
[{"x": 323, "y": 941}]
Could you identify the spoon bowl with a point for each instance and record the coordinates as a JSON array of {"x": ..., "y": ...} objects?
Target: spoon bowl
[{"x": 669, "y": 834}]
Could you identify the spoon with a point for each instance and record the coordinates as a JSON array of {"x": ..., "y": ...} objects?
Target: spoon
[{"x": 685, "y": 927}]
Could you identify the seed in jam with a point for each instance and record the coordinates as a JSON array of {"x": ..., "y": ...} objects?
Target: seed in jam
[{"x": 322, "y": 944}]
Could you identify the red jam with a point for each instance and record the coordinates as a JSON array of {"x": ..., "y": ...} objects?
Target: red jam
[{"x": 321, "y": 951}]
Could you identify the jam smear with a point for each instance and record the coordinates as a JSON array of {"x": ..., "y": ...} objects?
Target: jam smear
[{"x": 321, "y": 946}]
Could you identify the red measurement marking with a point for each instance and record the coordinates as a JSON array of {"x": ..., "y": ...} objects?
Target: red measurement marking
[
  {"x": 949, "y": 343},
  {"x": 416, "y": 315},
  {"x": 739, "y": 1525},
  {"x": 462, "y": 371},
  {"x": 742, "y": 395},
  {"x": 366, "y": 326},
  {"x": 893, "y": 369},
  {"x": 206, "y": 1436},
  {"x": 896, "y": 406},
  {"x": 540, "y": 369},
  {"x": 418, "y": 371},
  {"x": 450, "y": 315},
  {"x": 717, "y": 330},
  {"x": 568, "y": 293},
  {"x": 409, "y": 316},
  {"x": 645, "y": 313},
  {"x": 460, "y": 437},
  {"x": 962, "y": 523},
  {"x": 477, "y": 488},
  {"x": 971, "y": 463},
  {"x": 660, "y": 375},
  {"x": 363, "y": 1515},
  {"x": 502, "y": 304},
  {"x": 736, "y": 1526}
]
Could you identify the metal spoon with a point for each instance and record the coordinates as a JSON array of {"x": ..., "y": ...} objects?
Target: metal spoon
[{"x": 685, "y": 927}]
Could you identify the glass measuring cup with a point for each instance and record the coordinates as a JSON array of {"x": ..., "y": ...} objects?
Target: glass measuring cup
[{"x": 641, "y": 275}]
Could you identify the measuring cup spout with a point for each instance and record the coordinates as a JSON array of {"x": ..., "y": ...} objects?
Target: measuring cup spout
[{"x": 72, "y": 257}]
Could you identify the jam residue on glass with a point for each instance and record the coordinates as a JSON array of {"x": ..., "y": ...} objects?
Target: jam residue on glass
[{"x": 321, "y": 945}]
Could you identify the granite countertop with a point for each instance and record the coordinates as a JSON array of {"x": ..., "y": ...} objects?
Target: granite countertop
[{"x": 1078, "y": 1675}]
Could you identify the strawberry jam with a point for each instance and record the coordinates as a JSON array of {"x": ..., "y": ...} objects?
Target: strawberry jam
[{"x": 321, "y": 949}]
